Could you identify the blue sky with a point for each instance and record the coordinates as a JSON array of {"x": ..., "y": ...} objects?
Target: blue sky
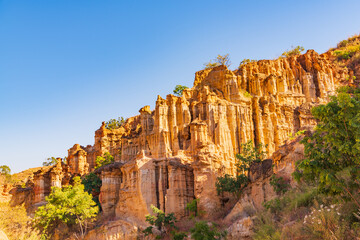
[{"x": 66, "y": 66}]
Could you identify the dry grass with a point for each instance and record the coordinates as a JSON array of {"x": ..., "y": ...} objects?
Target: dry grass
[
  {"x": 305, "y": 214},
  {"x": 16, "y": 224}
]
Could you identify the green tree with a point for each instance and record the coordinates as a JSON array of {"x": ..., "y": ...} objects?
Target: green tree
[
  {"x": 70, "y": 205},
  {"x": 246, "y": 61},
  {"x": 5, "y": 170},
  {"x": 114, "y": 123},
  {"x": 248, "y": 155},
  {"x": 105, "y": 160},
  {"x": 51, "y": 161},
  {"x": 219, "y": 60},
  {"x": 332, "y": 152},
  {"x": 92, "y": 184},
  {"x": 294, "y": 51},
  {"x": 179, "y": 90},
  {"x": 165, "y": 223},
  {"x": 211, "y": 65},
  {"x": 192, "y": 208},
  {"x": 206, "y": 231}
]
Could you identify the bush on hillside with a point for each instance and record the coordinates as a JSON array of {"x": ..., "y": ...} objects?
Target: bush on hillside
[
  {"x": 114, "y": 123},
  {"x": 69, "y": 205},
  {"x": 106, "y": 159},
  {"x": 294, "y": 51},
  {"x": 235, "y": 185},
  {"x": 219, "y": 60}
]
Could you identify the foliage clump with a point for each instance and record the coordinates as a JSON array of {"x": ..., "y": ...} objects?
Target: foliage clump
[
  {"x": 5, "y": 175},
  {"x": 5, "y": 170},
  {"x": 332, "y": 151},
  {"x": 106, "y": 159},
  {"x": 249, "y": 154},
  {"x": 114, "y": 123},
  {"x": 51, "y": 161},
  {"x": 218, "y": 61},
  {"x": 179, "y": 90},
  {"x": 246, "y": 61},
  {"x": 164, "y": 223},
  {"x": 298, "y": 133},
  {"x": 206, "y": 231},
  {"x": 92, "y": 184},
  {"x": 192, "y": 208},
  {"x": 280, "y": 184},
  {"x": 69, "y": 205},
  {"x": 294, "y": 51},
  {"x": 325, "y": 204},
  {"x": 348, "y": 48}
]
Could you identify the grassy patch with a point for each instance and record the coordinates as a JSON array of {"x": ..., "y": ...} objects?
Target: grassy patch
[{"x": 15, "y": 223}]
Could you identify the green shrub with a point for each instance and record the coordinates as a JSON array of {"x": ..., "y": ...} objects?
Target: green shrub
[
  {"x": 247, "y": 94},
  {"x": 5, "y": 170},
  {"x": 114, "y": 123},
  {"x": 211, "y": 65},
  {"x": 294, "y": 51},
  {"x": 179, "y": 90},
  {"x": 276, "y": 205},
  {"x": 70, "y": 205},
  {"x": 279, "y": 184},
  {"x": 346, "y": 53},
  {"x": 303, "y": 199},
  {"x": 192, "y": 208},
  {"x": 92, "y": 184},
  {"x": 265, "y": 228},
  {"x": 219, "y": 60},
  {"x": 231, "y": 184},
  {"x": 165, "y": 223},
  {"x": 298, "y": 133},
  {"x": 206, "y": 231},
  {"x": 178, "y": 235},
  {"x": 51, "y": 161},
  {"x": 343, "y": 43},
  {"x": 332, "y": 151},
  {"x": 235, "y": 185},
  {"x": 246, "y": 61},
  {"x": 105, "y": 160}
]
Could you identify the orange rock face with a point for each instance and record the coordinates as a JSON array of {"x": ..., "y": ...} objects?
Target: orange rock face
[{"x": 173, "y": 154}]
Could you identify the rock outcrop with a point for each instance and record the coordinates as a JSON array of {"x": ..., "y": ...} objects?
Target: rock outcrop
[
  {"x": 171, "y": 155},
  {"x": 175, "y": 153}
]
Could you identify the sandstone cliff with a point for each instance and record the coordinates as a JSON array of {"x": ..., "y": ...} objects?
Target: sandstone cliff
[{"x": 173, "y": 154}]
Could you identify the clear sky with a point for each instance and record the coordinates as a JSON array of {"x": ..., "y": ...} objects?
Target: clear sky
[{"x": 66, "y": 66}]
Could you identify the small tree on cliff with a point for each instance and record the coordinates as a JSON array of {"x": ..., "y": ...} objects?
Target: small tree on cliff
[
  {"x": 219, "y": 60},
  {"x": 5, "y": 170},
  {"x": 114, "y": 123},
  {"x": 69, "y": 205},
  {"x": 51, "y": 161},
  {"x": 105, "y": 160},
  {"x": 165, "y": 223},
  {"x": 179, "y": 90},
  {"x": 294, "y": 51},
  {"x": 248, "y": 155}
]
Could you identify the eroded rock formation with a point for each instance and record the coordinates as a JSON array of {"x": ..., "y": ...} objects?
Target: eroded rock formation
[
  {"x": 173, "y": 154},
  {"x": 201, "y": 131}
]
